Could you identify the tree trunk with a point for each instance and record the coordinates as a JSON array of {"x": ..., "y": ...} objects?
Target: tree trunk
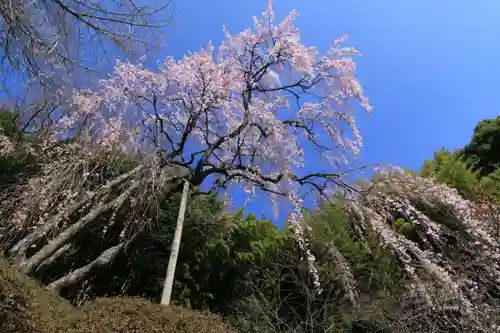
[
  {"x": 18, "y": 251},
  {"x": 81, "y": 273},
  {"x": 174, "y": 252},
  {"x": 106, "y": 257},
  {"x": 49, "y": 261},
  {"x": 32, "y": 263}
]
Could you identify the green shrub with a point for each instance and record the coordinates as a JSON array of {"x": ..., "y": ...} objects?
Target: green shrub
[
  {"x": 27, "y": 307},
  {"x": 138, "y": 315}
]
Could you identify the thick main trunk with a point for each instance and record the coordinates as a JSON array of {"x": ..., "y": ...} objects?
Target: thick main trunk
[
  {"x": 18, "y": 251},
  {"x": 50, "y": 260},
  {"x": 32, "y": 263},
  {"x": 81, "y": 273}
]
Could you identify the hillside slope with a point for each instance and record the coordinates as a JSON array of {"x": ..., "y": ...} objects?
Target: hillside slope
[{"x": 25, "y": 306}]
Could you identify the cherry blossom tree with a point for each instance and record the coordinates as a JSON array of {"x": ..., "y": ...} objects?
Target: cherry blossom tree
[
  {"x": 453, "y": 258},
  {"x": 250, "y": 113},
  {"x": 6, "y": 145},
  {"x": 50, "y": 46}
]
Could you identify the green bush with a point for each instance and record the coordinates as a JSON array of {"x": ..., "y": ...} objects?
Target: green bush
[
  {"x": 26, "y": 307},
  {"x": 138, "y": 315}
]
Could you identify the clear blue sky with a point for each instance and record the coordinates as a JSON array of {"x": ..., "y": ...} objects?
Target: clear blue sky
[{"x": 430, "y": 68}]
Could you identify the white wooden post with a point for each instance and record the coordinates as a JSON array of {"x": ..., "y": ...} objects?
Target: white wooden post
[{"x": 172, "y": 262}]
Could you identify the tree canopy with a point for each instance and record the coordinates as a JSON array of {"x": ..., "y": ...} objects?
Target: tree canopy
[{"x": 481, "y": 153}]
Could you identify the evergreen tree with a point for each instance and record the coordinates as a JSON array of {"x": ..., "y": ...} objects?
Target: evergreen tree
[
  {"x": 448, "y": 168},
  {"x": 483, "y": 152}
]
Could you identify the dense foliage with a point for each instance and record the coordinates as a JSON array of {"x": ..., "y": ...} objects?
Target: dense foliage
[
  {"x": 482, "y": 151},
  {"x": 474, "y": 170},
  {"x": 250, "y": 271}
]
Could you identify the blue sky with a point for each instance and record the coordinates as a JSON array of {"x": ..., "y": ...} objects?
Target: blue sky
[{"x": 429, "y": 68}]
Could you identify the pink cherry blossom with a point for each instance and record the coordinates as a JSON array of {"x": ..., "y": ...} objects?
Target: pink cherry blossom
[
  {"x": 242, "y": 112},
  {"x": 438, "y": 275}
]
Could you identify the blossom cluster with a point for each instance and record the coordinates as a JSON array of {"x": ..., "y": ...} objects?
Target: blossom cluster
[
  {"x": 432, "y": 261},
  {"x": 6, "y": 144},
  {"x": 235, "y": 99}
]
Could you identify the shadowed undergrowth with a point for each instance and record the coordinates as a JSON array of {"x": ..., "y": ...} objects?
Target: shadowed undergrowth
[{"x": 25, "y": 306}]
